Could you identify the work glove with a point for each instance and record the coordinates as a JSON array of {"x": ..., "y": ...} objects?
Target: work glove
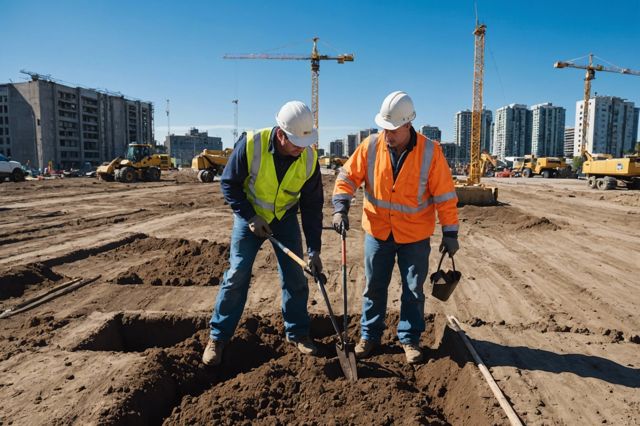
[
  {"x": 259, "y": 227},
  {"x": 315, "y": 264},
  {"x": 340, "y": 222},
  {"x": 449, "y": 245}
]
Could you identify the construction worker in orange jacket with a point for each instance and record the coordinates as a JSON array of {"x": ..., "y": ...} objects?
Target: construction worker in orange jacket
[{"x": 407, "y": 179}]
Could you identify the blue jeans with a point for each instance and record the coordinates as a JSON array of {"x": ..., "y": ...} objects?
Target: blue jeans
[
  {"x": 235, "y": 285},
  {"x": 413, "y": 262}
]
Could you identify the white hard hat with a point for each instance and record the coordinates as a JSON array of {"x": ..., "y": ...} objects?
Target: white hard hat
[
  {"x": 396, "y": 110},
  {"x": 296, "y": 120}
]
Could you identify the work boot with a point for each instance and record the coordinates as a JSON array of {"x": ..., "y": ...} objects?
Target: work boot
[
  {"x": 413, "y": 353},
  {"x": 364, "y": 348},
  {"x": 305, "y": 345},
  {"x": 213, "y": 352}
]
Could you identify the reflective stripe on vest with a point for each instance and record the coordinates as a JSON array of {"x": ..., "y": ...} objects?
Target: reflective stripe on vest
[
  {"x": 284, "y": 194},
  {"x": 427, "y": 156}
]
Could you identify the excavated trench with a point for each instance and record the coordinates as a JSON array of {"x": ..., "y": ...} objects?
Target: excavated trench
[{"x": 265, "y": 380}]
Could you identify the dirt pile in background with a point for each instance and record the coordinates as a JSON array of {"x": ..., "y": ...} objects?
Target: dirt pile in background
[
  {"x": 505, "y": 218},
  {"x": 14, "y": 281},
  {"x": 181, "y": 262},
  {"x": 265, "y": 380}
]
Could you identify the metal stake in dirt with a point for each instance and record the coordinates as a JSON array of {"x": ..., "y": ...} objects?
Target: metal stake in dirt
[
  {"x": 349, "y": 349},
  {"x": 344, "y": 350}
]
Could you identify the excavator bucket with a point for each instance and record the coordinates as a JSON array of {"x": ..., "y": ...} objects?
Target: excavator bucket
[{"x": 477, "y": 195}]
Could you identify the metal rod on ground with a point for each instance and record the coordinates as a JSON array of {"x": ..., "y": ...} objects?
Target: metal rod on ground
[
  {"x": 46, "y": 293},
  {"x": 51, "y": 296},
  {"x": 513, "y": 417}
]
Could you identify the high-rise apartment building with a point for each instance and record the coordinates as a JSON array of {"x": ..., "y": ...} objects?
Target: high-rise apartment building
[
  {"x": 569, "y": 140},
  {"x": 432, "y": 132},
  {"x": 450, "y": 151},
  {"x": 46, "y": 121},
  {"x": 462, "y": 130},
  {"x": 612, "y": 122},
  {"x": 184, "y": 147},
  {"x": 336, "y": 148},
  {"x": 363, "y": 134},
  {"x": 547, "y": 130},
  {"x": 512, "y": 131},
  {"x": 351, "y": 143}
]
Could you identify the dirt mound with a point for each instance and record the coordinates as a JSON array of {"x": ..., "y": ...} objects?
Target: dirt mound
[
  {"x": 182, "y": 176},
  {"x": 183, "y": 263},
  {"x": 14, "y": 281},
  {"x": 28, "y": 335},
  {"x": 263, "y": 379},
  {"x": 505, "y": 218}
]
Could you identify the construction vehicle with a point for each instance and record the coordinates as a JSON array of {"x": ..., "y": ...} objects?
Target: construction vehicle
[
  {"x": 331, "y": 162},
  {"x": 140, "y": 164},
  {"x": 547, "y": 167},
  {"x": 604, "y": 172},
  {"x": 472, "y": 191},
  {"x": 210, "y": 163}
]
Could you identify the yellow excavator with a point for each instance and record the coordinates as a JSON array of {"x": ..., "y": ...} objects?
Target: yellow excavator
[
  {"x": 210, "y": 163},
  {"x": 140, "y": 164}
]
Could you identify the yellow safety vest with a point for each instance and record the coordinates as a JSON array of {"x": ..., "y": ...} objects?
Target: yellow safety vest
[{"x": 269, "y": 199}]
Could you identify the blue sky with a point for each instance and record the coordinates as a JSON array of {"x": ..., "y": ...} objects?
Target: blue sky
[{"x": 173, "y": 50}]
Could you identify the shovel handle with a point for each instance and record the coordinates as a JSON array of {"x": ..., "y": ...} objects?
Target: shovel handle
[{"x": 321, "y": 279}]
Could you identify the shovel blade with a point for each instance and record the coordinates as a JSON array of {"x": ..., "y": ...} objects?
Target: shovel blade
[{"x": 347, "y": 359}]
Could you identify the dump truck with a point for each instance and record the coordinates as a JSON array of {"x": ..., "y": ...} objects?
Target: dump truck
[
  {"x": 547, "y": 167},
  {"x": 604, "y": 172},
  {"x": 139, "y": 164},
  {"x": 210, "y": 163}
]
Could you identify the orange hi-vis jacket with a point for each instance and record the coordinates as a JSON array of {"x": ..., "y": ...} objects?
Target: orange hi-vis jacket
[{"x": 407, "y": 206}]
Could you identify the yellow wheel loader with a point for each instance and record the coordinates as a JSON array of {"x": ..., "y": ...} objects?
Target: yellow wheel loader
[
  {"x": 547, "y": 167},
  {"x": 210, "y": 163},
  {"x": 140, "y": 164}
]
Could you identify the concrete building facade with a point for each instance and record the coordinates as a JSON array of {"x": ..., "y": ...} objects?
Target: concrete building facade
[
  {"x": 351, "y": 142},
  {"x": 569, "y": 141},
  {"x": 363, "y": 134},
  {"x": 462, "y": 130},
  {"x": 612, "y": 122},
  {"x": 183, "y": 148},
  {"x": 336, "y": 148},
  {"x": 450, "y": 151},
  {"x": 70, "y": 126},
  {"x": 547, "y": 130},
  {"x": 432, "y": 132},
  {"x": 512, "y": 131}
]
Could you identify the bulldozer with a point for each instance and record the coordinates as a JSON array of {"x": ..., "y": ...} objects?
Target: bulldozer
[
  {"x": 139, "y": 164},
  {"x": 547, "y": 167},
  {"x": 604, "y": 172},
  {"x": 210, "y": 163}
]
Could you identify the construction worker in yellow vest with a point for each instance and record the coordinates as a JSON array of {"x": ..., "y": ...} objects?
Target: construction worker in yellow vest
[
  {"x": 407, "y": 180},
  {"x": 271, "y": 174}
]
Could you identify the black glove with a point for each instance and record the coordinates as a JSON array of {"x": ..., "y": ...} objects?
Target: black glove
[
  {"x": 259, "y": 227},
  {"x": 449, "y": 245},
  {"x": 315, "y": 264},
  {"x": 340, "y": 222}
]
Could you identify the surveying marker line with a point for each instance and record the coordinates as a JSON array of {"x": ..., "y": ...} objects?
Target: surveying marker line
[{"x": 513, "y": 417}]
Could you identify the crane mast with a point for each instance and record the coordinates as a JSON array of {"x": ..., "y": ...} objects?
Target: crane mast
[{"x": 476, "y": 111}]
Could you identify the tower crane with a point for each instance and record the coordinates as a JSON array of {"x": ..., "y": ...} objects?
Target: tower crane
[
  {"x": 472, "y": 192},
  {"x": 590, "y": 75},
  {"x": 315, "y": 59},
  {"x": 476, "y": 111}
]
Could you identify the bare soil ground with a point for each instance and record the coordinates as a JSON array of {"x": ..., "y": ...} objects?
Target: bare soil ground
[{"x": 549, "y": 298}]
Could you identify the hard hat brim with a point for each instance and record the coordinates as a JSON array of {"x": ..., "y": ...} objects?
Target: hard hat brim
[
  {"x": 387, "y": 125},
  {"x": 303, "y": 141}
]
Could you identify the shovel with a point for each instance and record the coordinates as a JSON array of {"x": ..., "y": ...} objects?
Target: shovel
[{"x": 346, "y": 355}]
